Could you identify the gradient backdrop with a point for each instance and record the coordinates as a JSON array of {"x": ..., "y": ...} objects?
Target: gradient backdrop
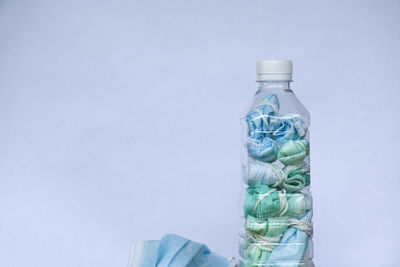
[{"x": 119, "y": 120}]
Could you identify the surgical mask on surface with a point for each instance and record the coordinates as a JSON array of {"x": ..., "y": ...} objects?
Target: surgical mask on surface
[{"x": 175, "y": 251}]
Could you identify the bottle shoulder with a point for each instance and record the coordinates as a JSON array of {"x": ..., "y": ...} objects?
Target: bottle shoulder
[{"x": 283, "y": 103}]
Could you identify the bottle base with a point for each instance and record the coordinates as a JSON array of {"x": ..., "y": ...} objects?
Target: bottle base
[{"x": 309, "y": 263}]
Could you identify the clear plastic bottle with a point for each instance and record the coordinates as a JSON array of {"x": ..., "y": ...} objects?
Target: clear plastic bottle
[{"x": 277, "y": 203}]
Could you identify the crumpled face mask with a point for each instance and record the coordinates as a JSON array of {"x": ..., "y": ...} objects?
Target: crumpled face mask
[
  {"x": 293, "y": 246},
  {"x": 292, "y": 178},
  {"x": 267, "y": 131},
  {"x": 259, "y": 145},
  {"x": 299, "y": 171},
  {"x": 258, "y": 118},
  {"x": 264, "y": 202},
  {"x": 175, "y": 251},
  {"x": 293, "y": 152},
  {"x": 264, "y": 173},
  {"x": 291, "y": 127},
  {"x": 257, "y": 253},
  {"x": 269, "y": 240},
  {"x": 265, "y": 149},
  {"x": 270, "y": 228}
]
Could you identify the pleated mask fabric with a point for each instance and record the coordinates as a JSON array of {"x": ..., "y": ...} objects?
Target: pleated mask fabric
[
  {"x": 264, "y": 202},
  {"x": 293, "y": 152},
  {"x": 292, "y": 178},
  {"x": 174, "y": 251},
  {"x": 293, "y": 245}
]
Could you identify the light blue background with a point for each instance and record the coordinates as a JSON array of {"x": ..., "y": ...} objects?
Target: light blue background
[{"x": 119, "y": 120}]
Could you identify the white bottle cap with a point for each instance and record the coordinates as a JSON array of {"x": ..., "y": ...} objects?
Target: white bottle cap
[{"x": 274, "y": 70}]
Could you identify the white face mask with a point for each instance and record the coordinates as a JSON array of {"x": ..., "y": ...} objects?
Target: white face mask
[{"x": 174, "y": 251}]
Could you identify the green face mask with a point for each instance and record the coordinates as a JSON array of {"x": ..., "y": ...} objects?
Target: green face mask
[
  {"x": 264, "y": 202},
  {"x": 257, "y": 253},
  {"x": 276, "y": 238},
  {"x": 298, "y": 205},
  {"x": 298, "y": 171},
  {"x": 263, "y": 236},
  {"x": 271, "y": 227},
  {"x": 293, "y": 152}
]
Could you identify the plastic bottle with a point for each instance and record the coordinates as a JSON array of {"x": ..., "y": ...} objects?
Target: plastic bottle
[{"x": 277, "y": 203}]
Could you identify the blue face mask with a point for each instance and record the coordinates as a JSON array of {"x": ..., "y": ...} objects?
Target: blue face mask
[
  {"x": 174, "y": 251},
  {"x": 258, "y": 120},
  {"x": 144, "y": 253},
  {"x": 293, "y": 245}
]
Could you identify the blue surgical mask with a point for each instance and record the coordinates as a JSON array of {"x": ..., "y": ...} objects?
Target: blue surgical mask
[
  {"x": 144, "y": 253},
  {"x": 174, "y": 251},
  {"x": 293, "y": 246}
]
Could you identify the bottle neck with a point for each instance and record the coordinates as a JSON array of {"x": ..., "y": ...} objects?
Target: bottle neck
[{"x": 273, "y": 86}]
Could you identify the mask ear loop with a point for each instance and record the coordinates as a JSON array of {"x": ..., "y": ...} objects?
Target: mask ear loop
[
  {"x": 284, "y": 206},
  {"x": 284, "y": 177},
  {"x": 263, "y": 242},
  {"x": 261, "y": 198},
  {"x": 278, "y": 174},
  {"x": 283, "y": 202},
  {"x": 261, "y": 246},
  {"x": 273, "y": 242},
  {"x": 262, "y": 116},
  {"x": 302, "y": 225},
  {"x": 287, "y": 171}
]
